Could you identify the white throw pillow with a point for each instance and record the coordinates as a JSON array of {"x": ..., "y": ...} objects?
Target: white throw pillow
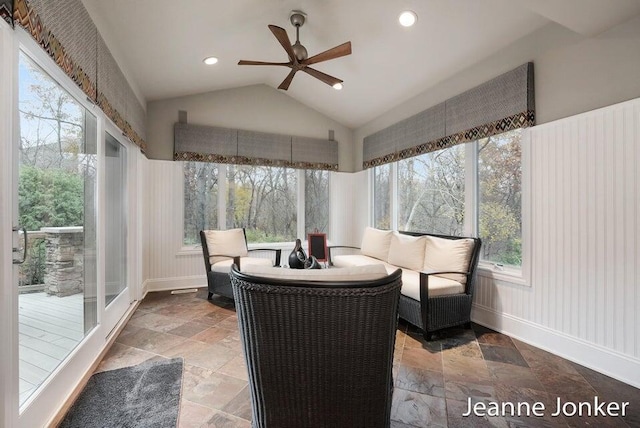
[
  {"x": 356, "y": 273},
  {"x": 225, "y": 242},
  {"x": 375, "y": 243},
  {"x": 448, "y": 255},
  {"x": 407, "y": 251}
]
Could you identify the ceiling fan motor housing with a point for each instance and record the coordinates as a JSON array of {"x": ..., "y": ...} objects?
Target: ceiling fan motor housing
[{"x": 297, "y": 18}]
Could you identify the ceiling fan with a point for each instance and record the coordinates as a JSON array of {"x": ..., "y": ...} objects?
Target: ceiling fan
[{"x": 298, "y": 57}]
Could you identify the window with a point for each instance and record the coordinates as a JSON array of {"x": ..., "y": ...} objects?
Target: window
[
  {"x": 432, "y": 189},
  {"x": 316, "y": 201},
  {"x": 382, "y": 196},
  {"x": 263, "y": 200},
  {"x": 431, "y": 192},
  {"x": 499, "y": 194},
  {"x": 200, "y": 199}
]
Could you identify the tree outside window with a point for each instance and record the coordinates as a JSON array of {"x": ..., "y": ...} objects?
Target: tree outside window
[
  {"x": 382, "y": 196},
  {"x": 431, "y": 192},
  {"x": 500, "y": 195}
]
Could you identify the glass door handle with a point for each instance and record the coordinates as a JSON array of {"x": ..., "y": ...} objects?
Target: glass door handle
[{"x": 24, "y": 254}]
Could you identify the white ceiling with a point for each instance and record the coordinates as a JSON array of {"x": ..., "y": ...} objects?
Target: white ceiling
[{"x": 161, "y": 43}]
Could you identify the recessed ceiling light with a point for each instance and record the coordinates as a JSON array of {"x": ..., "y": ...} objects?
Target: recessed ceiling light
[
  {"x": 337, "y": 86},
  {"x": 407, "y": 18},
  {"x": 210, "y": 60}
]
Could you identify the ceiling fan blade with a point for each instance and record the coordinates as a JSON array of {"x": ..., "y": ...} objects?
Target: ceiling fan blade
[
  {"x": 329, "y": 80},
  {"x": 283, "y": 38},
  {"x": 287, "y": 81},
  {"x": 341, "y": 50},
  {"x": 245, "y": 62}
]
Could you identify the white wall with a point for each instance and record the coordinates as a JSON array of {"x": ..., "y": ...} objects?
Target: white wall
[
  {"x": 585, "y": 259},
  {"x": 253, "y": 108}
]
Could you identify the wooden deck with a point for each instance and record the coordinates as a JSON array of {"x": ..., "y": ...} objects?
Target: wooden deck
[{"x": 50, "y": 327}]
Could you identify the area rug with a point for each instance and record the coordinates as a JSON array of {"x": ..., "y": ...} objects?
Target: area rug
[{"x": 146, "y": 395}]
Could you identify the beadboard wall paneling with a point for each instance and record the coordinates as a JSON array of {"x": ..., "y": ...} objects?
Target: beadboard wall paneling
[
  {"x": 585, "y": 233},
  {"x": 349, "y": 199},
  {"x": 165, "y": 226}
]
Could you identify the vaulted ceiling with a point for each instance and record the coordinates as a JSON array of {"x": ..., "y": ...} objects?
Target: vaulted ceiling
[{"x": 161, "y": 43}]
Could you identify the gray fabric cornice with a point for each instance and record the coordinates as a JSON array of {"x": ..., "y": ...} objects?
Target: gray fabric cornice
[{"x": 499, "y": 105}]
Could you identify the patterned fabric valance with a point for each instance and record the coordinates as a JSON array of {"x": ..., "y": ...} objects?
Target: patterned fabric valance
[
  {"x": 497, "y": 106},
  {"x": 6, "y": 11},
  {"x": 233, "y": 146},
  {"x": 64, "y": 29}
]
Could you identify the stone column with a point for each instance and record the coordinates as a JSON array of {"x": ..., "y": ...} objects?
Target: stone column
[{"x": 64, "y": 273}]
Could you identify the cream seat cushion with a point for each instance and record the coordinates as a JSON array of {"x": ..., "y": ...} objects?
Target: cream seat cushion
[
  {"x": 355, "y": 273},
  {"x": 354, "y": 260},
  {"x": 438, "y": 286},
  {"x": 224, "y": 266},
  {"x": 228, "y": 242},
  {"x": 448, "y": 255},
  {"x": 375, "y": 243}
]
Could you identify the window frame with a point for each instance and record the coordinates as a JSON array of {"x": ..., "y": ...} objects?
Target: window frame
[
  {"x": 190, "y": 250},
  {"x": 518, "y": 275}
]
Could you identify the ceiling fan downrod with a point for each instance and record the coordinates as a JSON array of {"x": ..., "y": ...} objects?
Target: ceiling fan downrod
[{"x": 298, "y": 19}]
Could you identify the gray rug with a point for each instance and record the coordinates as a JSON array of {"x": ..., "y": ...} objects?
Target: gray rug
[{"x": 146, "y": 395}]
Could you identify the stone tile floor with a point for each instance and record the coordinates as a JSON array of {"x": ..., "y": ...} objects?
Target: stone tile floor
[{"x": 433, "y": 380}]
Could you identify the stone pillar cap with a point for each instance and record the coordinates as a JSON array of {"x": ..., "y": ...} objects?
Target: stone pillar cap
[{"x": 67, "y": 229}]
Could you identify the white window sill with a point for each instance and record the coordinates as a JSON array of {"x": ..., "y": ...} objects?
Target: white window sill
[{"x": 503, "y": 274}]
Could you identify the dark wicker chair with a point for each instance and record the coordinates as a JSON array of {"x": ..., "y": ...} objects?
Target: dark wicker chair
[
  {"x": 219, "y": 282},
  {"x": 431, "y": 314},
  {"x": 319, "y": 354}
]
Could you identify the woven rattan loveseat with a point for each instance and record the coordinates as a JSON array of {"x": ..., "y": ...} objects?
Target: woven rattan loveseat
[
  {"x": 319, "y": 353},
  {"x": 439, "y": 273}
]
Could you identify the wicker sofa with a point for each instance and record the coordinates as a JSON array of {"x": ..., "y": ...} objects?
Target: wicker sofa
[
  {"x": 438, "y": 273},
  {"x": 318, "y": 344}
]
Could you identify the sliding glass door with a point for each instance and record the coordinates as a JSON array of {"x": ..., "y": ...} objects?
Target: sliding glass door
[
  {"x": 70, "y": 190},
  {"x": 115, "y": 216},
  {"x": 57, "y": 278}
]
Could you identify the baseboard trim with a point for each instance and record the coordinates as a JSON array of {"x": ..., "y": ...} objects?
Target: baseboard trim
[
  {"x": 178, "y": 283},
  {"x": 603, "y": 360}
]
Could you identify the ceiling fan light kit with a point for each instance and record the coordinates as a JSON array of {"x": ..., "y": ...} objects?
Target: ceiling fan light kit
[{"x": 298, "y": 56}]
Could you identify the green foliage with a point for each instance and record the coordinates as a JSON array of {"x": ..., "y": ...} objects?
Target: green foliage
[
  {"x": 255, "y": 235},
  {"x": 50, "y": 197}
]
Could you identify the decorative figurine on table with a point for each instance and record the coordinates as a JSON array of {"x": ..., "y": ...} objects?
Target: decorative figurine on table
[
  {"x": 312, "y": 263},
  {"x": 297, "y": 256}
]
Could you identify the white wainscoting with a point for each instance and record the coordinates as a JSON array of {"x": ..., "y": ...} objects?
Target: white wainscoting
[
  {"x": 584, "y": 298},
  {"x": 165, "y": 193}
]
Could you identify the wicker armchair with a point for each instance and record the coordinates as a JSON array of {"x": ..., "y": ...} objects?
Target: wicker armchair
[
  {"x": 319, "y": 354},
  {"x": 218, "y": 272}
]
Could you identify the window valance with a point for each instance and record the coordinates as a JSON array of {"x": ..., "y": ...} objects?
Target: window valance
[
  {"x": 66, "y": 32},
  {"x": 241, "y": 147},
  {"x": 6, "y": 11},
  {"x": 497, "y": 106}
]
